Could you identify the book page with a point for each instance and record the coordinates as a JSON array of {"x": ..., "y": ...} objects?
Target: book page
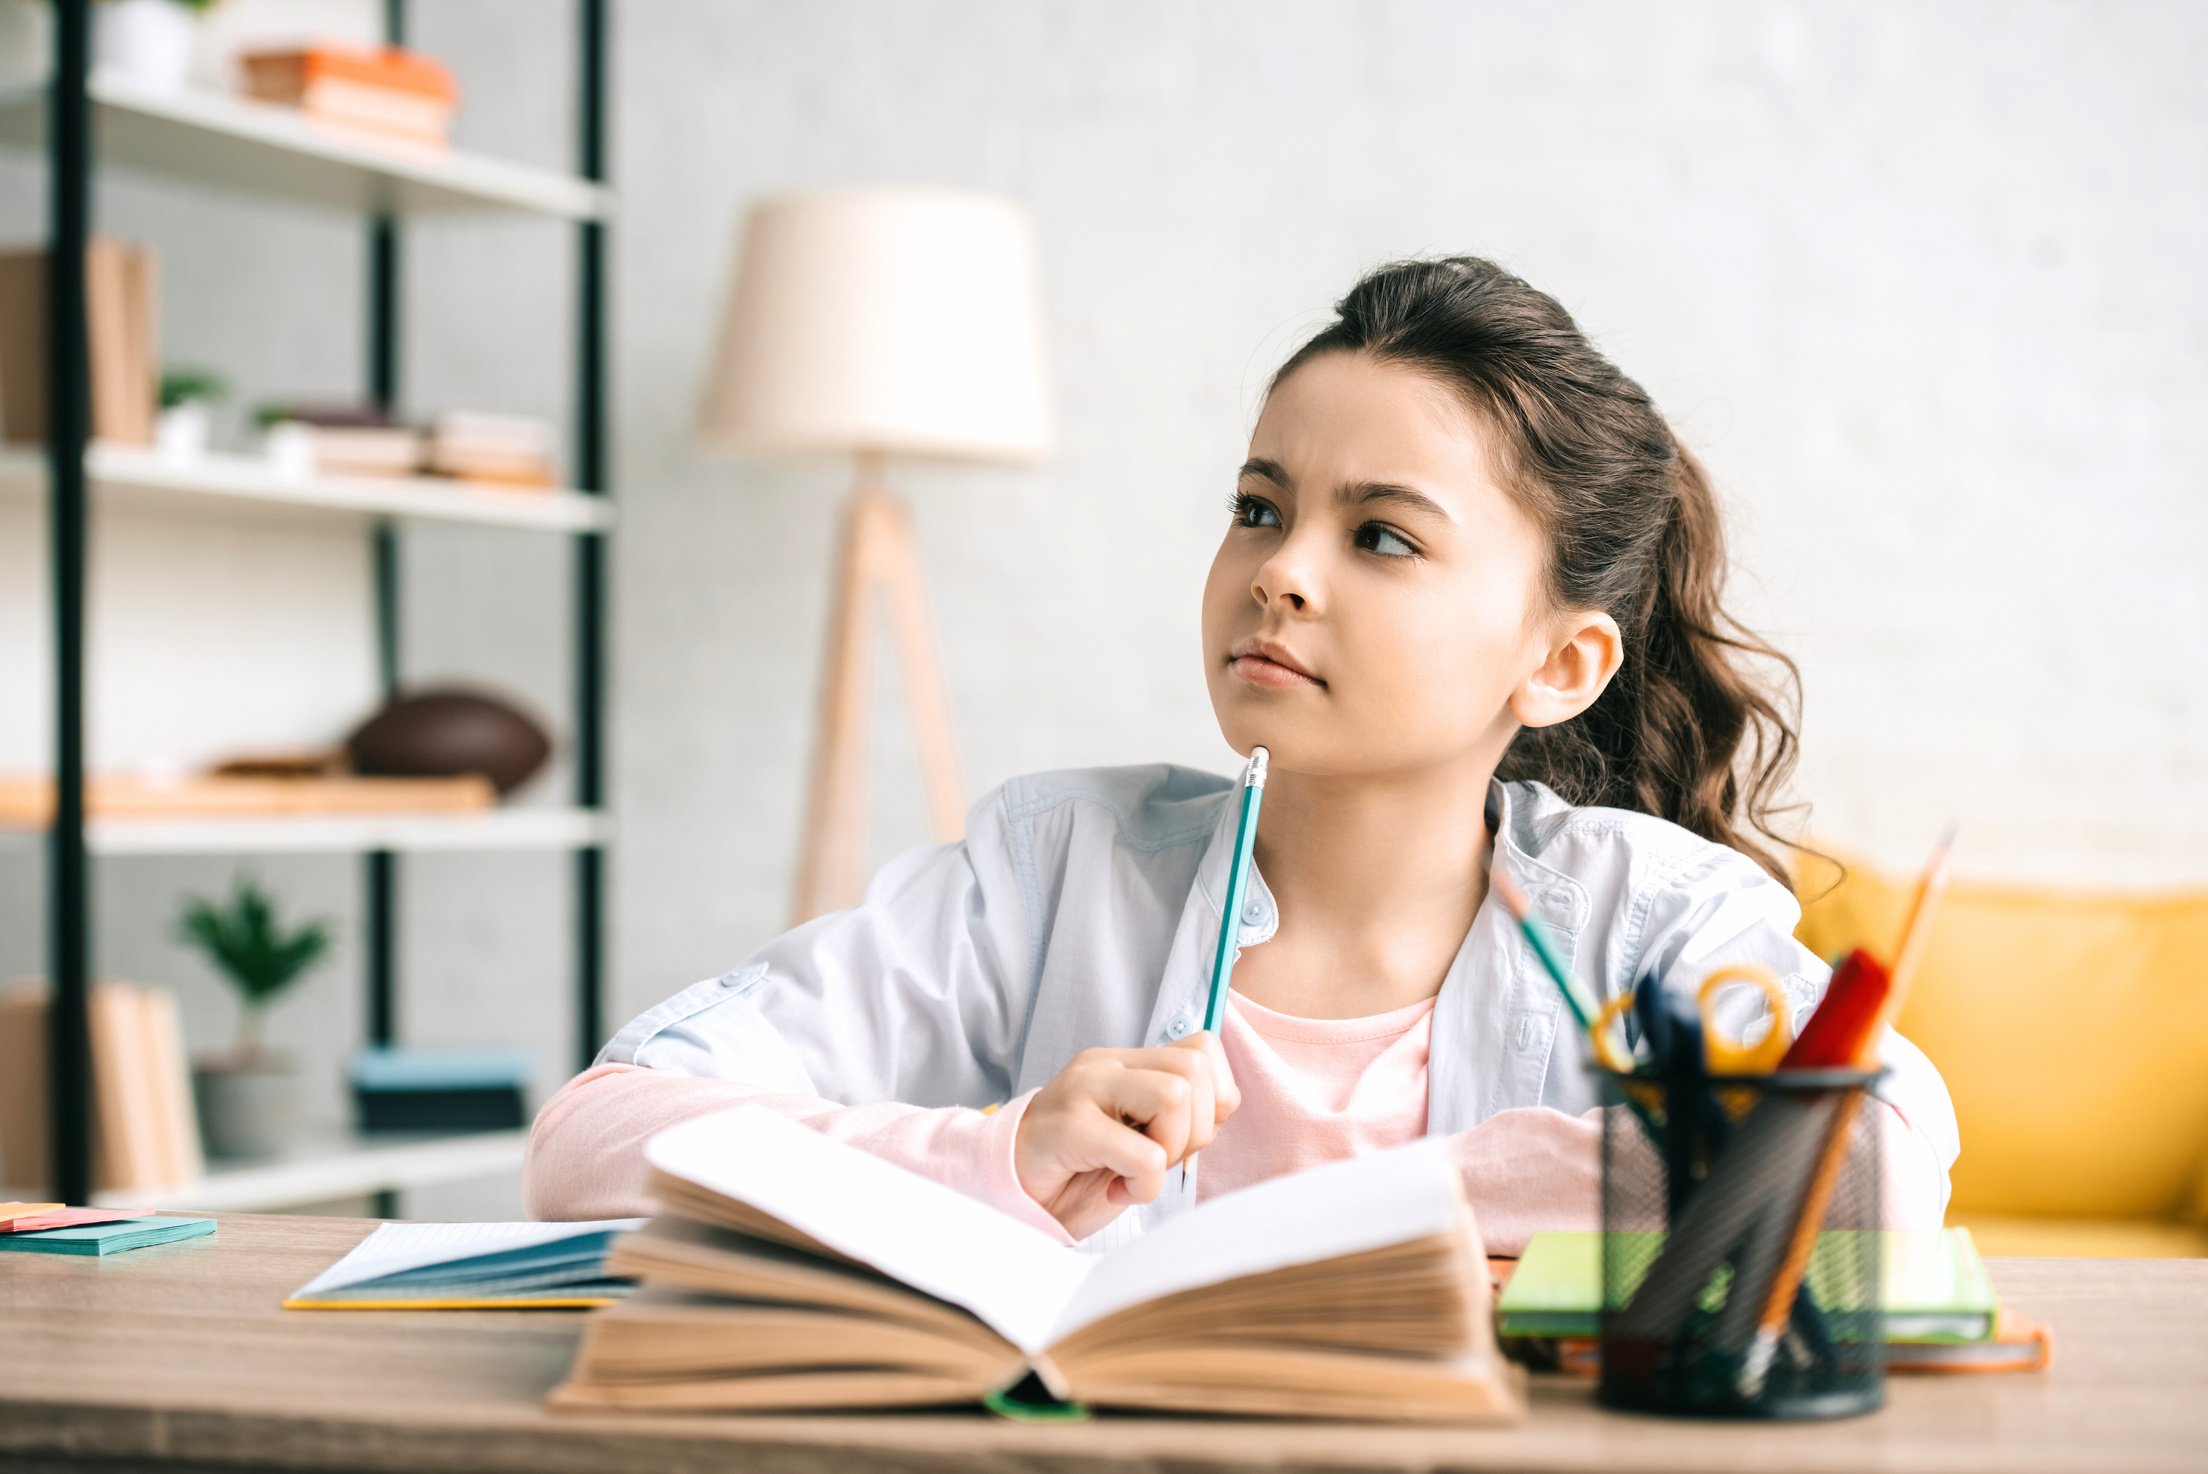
[
  {"x": 395, "y": 1247},
  {"x": 931, "y": 1237},
  {"x": 1345, "y": 1207}
]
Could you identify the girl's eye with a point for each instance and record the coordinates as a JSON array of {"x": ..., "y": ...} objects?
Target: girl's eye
[
  {"x": 1251, "y": 511},
  {"x": 1374, "y": 538}
]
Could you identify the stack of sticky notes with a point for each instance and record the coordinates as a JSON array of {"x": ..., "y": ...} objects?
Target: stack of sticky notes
[
  {"x": 472, "y": 1266},
  {"x": 52, "y": 1228}
]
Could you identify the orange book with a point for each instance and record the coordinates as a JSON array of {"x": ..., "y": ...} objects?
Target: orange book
[
  {"x": 393, "y": 68},
  {"x": 388, "y": 95},
  {"x": 136, "y": 1135},
  {"x": 121, "y": 332}
]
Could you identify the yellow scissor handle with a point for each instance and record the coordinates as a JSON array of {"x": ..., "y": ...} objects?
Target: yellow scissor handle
[
  {"x": 1728, "y": 1056},
  {"x": 1724, "y": 1056},
  {"x": 1603, "y": 1036}
]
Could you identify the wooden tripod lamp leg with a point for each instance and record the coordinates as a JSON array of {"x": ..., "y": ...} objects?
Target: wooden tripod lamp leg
[
  {"x": 923, "y": 677},
  {"x": 877, "y": 556},
  {"x": 832, "y": 856}
]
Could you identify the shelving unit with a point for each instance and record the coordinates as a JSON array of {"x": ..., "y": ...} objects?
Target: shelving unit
[
  {"x": 254, "y": 148},
  {"x": 332, "y": 1163},
  {"x": 138, "y": 477},
  {"x": 235, "y": 143},
  {"x": 346, "y": 834}
]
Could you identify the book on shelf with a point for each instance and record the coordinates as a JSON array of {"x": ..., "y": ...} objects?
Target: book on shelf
[
  {"x": 387, "y": 93},
  {"x": 398, "y": 1088},
  {"x": 340, "y": 440},
  {"x": 145, "y": 1133},
  {"x": 28, "y": 802},
  {"x": 122, "y": 334},
  {"x": 514, "y": 450},
  {"x": 790, "y": 1270}
]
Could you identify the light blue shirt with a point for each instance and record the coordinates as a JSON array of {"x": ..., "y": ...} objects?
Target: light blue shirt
[{"x": 1082, "y": 910}]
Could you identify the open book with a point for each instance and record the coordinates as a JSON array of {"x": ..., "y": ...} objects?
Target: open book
[{"x": 788, "y": 1270}]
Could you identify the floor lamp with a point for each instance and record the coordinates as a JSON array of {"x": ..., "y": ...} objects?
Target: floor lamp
[{"x": 864, "y": 323}]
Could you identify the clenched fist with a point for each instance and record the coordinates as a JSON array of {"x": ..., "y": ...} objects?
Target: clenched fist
[{"x": 1103, "y": 1132}]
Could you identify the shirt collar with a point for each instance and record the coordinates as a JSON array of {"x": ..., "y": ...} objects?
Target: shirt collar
[{"x": 1261, "y": 913}]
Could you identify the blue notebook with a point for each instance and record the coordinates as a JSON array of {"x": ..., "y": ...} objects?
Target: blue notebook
[
  {"x": 466, "y": 1266},
  {"x": 106, "y": 1238}
]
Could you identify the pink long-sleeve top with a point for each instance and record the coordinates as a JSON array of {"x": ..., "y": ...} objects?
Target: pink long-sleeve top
[{"x": 1313, "y": 1090}]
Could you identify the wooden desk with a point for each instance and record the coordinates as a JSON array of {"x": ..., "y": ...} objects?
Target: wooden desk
[{"x": 179, "y": 1357}]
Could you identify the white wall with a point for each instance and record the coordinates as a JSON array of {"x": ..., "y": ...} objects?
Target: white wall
[{"x": 1921, "y": 282}]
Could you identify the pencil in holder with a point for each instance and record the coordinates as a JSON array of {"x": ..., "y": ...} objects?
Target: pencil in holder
[{"x": 1740, "y": 1260}]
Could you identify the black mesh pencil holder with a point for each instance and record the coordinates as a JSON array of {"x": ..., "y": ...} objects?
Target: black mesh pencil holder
[{"x": 1706, "y": 1184}]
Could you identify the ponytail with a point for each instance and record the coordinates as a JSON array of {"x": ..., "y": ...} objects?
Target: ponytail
[{"x": 1711, "y": 742}]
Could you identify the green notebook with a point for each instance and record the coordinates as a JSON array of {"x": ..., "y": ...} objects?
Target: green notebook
[
  {"x": 106, "y": 1238},
  {"x": 1933, "y": 1286}
]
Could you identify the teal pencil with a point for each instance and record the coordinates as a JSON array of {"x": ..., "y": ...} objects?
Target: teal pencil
[
  {"x": 1230, "y": 917},
  {"x": 1514, "y": 901},
  {"x": 1238, "y": 880},
  {"x": 1544, "y": 947}
]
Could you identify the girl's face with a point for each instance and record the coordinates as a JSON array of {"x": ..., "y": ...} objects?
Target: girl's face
[{"x": 1375, "y": 607}]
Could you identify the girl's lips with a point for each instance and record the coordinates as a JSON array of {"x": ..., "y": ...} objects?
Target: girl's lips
[{"x": 1259, "y": 671}]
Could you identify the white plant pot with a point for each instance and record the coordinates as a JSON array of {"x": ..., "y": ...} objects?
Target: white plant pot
[
  {"x": 26, "y": 42},
  {"x": 181, "y": 433},
  {"x": 289, "y": 448},
  {"x": 147, "y": 41}
]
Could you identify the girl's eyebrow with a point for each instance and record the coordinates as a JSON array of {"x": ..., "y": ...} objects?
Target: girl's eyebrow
[{"x": 1353, "y": 492}]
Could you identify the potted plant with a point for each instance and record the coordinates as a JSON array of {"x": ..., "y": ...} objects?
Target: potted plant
[
  {"x": 245, "y": 1093},
  {"x": 188, "y": 397},
  {"x": 147, "y": 41}
]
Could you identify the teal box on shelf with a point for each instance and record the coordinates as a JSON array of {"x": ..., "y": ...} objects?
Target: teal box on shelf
[{"x": 401, "y": 1089}]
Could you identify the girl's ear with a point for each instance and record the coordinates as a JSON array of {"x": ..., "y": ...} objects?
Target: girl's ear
[{"x": 1588, "y": 654}]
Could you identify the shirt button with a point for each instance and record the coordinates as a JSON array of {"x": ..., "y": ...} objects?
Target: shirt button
[
  {"x": 1179, "y": 1027},
  {"x": 1256, "y": 913}
]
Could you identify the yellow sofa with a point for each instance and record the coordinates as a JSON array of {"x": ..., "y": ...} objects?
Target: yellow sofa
[{"x": 2072, "y": 1029}]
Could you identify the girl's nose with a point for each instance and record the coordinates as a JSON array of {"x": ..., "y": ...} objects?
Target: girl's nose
[{"x": 1287, "y": 578}]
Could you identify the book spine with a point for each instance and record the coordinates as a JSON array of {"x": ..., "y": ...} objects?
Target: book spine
[{"x": 23, "y": 1121}]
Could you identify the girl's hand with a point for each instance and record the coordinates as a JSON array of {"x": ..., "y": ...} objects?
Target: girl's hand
[{"x": 1103, "y": 1132}]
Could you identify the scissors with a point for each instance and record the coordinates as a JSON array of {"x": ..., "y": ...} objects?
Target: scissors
[{"x": 1668, "y": 1031}]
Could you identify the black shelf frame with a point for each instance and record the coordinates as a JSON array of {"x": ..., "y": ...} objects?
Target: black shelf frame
[{"x": 70, "y": 917}]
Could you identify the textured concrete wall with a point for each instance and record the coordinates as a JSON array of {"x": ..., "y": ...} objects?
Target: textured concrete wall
[{"x": 1921, "y": 282}]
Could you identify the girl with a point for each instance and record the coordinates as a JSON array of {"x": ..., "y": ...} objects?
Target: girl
[{"x": 1469, "y": 599}]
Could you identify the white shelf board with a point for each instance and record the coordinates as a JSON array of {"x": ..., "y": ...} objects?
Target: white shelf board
[
  {"x": 498, "y": 829},
  {"x": 335, "y": 1163},
  {"x": 265, "y": 149},
  {"x": 140, "y": 476}
]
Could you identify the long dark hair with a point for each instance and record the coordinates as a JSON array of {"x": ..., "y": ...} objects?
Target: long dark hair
[{"x": 1686, "y": 730}]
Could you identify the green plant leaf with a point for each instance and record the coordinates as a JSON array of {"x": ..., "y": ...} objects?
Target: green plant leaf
[{"x": 247, "y": 943}]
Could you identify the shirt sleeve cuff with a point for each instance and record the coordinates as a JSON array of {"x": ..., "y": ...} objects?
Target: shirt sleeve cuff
[{"x": 997, "y": 1182}]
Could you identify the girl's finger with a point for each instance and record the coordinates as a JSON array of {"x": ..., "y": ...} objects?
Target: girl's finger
[
  {"x": 1224, "y": 1090},
  {"x": 1101, "y": 1141},
  {"x": 1203, "y": 1111},
  {"x": 1162, "y": 1104}
]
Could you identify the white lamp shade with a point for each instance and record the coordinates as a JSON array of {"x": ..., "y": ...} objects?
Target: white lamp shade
[{"x": 897, "y": 320}]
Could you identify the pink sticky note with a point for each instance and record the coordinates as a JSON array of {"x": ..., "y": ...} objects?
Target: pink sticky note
[{"x": 71, "y": 1218}]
